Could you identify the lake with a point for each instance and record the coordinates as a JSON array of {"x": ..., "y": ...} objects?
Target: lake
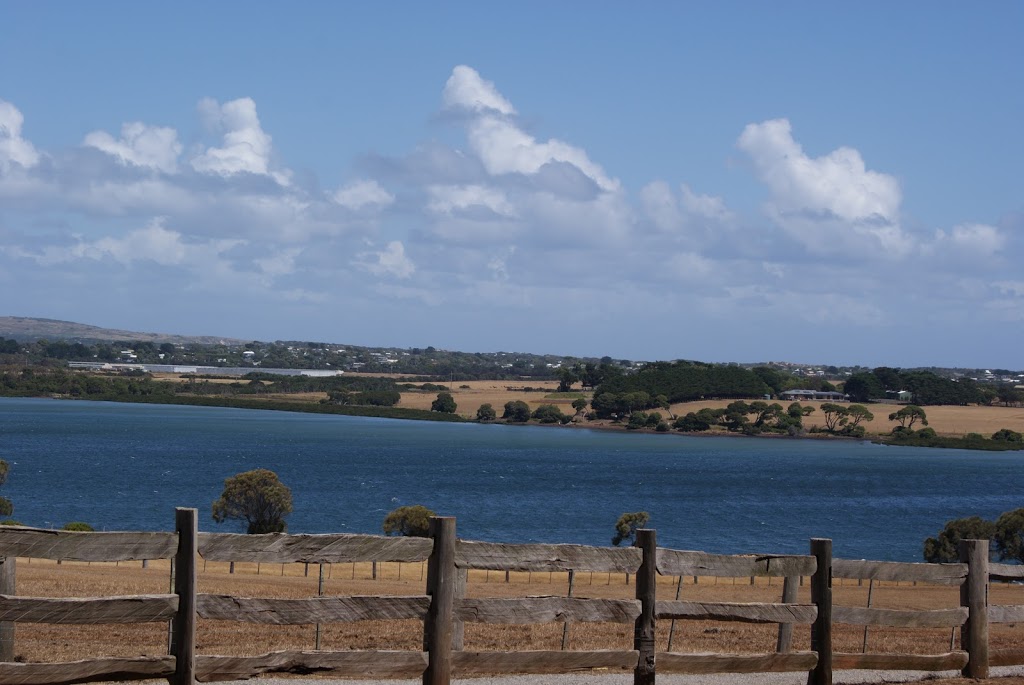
[{"x": 126, "y": 466}]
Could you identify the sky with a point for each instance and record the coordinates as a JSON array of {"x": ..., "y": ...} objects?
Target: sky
[{"x": 836, "y": 183}]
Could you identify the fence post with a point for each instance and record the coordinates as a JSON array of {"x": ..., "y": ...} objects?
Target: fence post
[
  {"x": 183, "y": 626},
  {"x": 821, "y": 596},
  {"x": 974, "y": 596},
  {"x": 646, "y": 592},
  {"x": 565, "y": 627},
  {"x": 7, "y": 627},
  {"x": 785, "y": 640},
  {"x": 458, "y": 627},
  {"x": 441, "y": 580}
]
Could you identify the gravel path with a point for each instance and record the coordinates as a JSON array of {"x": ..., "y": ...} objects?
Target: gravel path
[{"x": 847, "y": 677}]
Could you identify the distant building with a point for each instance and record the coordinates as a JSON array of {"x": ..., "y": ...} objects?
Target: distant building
[{"x": 825, "y": 395}]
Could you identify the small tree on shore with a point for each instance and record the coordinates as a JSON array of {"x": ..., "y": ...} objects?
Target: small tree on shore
[
  {"x": 256, "y": 497},
  {"x": 908, "y": 416},
  {"x": 412, "y": 520},
  {"x": 516, "y": 411},
  {"x": 444, "y": 403},
  {"x": 627, "y": 525},
  {"x": 486, "y": 413}
]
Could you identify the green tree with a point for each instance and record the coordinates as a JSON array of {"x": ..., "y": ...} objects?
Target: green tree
[
  {"x": 691, "y": 423},
  {"x": 579, "y": 404},
  {"x": 888, "y": 377},
  {"x": 627, "y": 525},
  {"x": 549, "y": 413},
  {"x": 412, "y": 521},
  {"x": 566, "y": 377},
  {"x": 1009, "y": 535},
  {"x": 834, "y": 415},
  {"x": 1008, "y": 395},
  {"x": 486, "y": 413},
  {"x": 516, "y": 411},
  {"x": 863, "y": 387},
  {"x": 444, "y": 403},
  {"x": 1007, "y": 435},
  {"x": 908, "y": 416},
  {"x": 256, "y": 497},
  {"x": 943, "y": 547},
  {"x": 856, "y": 413},
  {"x": 6, "y": 506}
]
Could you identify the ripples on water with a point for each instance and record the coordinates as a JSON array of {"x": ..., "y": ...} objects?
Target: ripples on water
[{"x": 126, "y": 466}]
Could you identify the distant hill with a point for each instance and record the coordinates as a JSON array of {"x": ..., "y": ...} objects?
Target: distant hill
[{"x": 27, "y": 329}]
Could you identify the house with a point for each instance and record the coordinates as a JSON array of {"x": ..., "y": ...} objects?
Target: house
[{"x": 825, "y": 395}]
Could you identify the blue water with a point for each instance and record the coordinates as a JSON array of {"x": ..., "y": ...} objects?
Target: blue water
[{"x": 126, "y": 466}]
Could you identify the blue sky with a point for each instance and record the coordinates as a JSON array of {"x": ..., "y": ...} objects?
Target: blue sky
[{"x": 728, "y": 182}]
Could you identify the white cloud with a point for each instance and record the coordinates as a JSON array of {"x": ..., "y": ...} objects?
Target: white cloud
[
  {"x": 465, "y": 89},
  {"x": 501, "y": 145},
  {"x": 671, "y": 214},
  {"x": 452, "y": 199},
  {"x": 504, "y": 148},
  {"x": 361, "y": 194},
  {"x": 705, "y": 206},
  {"x": 154, "y": 243},
  {"x": 154, "y": 147},
  {"x": 831, "y": 204},
  {"x": 974, "y": 239},
  {"x": 246, "y": 148},
  {"x": 13, "y": 148},
  {"x": 690, "y": 266},
  {"x": 391, "y": 261},
  {"x": 279, "y": 264}
]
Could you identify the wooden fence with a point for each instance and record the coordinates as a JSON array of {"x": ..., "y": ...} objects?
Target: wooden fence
[{"x": 444, "y": 609}]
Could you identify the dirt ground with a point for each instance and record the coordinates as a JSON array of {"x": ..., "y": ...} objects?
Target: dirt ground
[{"x": 45, "y": 643}]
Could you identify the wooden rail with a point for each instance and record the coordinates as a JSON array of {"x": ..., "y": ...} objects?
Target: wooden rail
[{"x": 443, "y": 608}]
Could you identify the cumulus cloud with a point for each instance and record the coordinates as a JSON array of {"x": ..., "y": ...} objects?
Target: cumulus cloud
[
  {"x": 13, "y": 148},
  {"x": 466, "y": 89},
  {"x": 502, "y": 146},
  {"x": 476, "y": 199},
  {"x": 246, "y": 146},
  {"x": 363, "y": 194},
  {"x": 830, "y": 204},
  {"x": 153, "y": 243},
  {"x": 391, "y": 261},
  {"x": 979, "y": 240},
  {"x": 672, "y": 214},
  {"x": 153, "y": 147}
]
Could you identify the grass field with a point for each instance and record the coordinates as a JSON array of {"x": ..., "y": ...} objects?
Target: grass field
[
  {"x": 42, "y": 643},
  {"x": 470, "y": 395}
]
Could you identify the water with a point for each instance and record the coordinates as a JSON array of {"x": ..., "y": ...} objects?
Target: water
[{"x": 126, "y": 466}]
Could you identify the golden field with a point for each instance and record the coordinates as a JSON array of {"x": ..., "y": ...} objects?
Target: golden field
[
  {"x": 470, "y": 395},
  {"x": 44, "y": 643}
]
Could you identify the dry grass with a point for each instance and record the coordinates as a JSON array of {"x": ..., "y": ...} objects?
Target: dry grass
[
  {"x": 945, "y": 420},
  {"x": 495, "y": 393},
  {"x": 470, "y": 395},
  {"x": 45, "y": 643}
]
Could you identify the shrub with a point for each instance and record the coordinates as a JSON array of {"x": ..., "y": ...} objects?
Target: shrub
[
  {"x": 1007, "y": 435},
  {"x": 412, "y": 520},
  {"x": 486, "y": 413},
  {"x": 691, "y": 423},
  {"x": 662, "y": 427},
  {"x": 926, "y": 434},
  {"x": 516, "y": 411},
  {"x": 79, "y": 527},
  {"x": 548, "y": 413}
]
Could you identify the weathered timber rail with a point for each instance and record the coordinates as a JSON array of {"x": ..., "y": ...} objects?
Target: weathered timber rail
[{"x": 444, "y": 609}]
